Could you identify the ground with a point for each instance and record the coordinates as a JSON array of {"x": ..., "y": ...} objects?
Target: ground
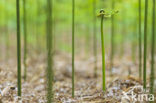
[{"x": 88, "y": 89}]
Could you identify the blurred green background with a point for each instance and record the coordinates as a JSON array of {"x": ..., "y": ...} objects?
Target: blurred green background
[{"x": 126, "y": 24}]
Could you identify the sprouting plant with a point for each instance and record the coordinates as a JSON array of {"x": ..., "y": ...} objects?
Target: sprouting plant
[
  {"x": 145, "y": 42},
  {"x": 152, "y": 51},
  {"x": 94, "y": 38},
  {"x": 140, "y": 43},
  {"x": 25, "y": 38},
  {"x": 49, "y": 53},
  {"x": 18, "y": 48},
  {"x": 73, "y": 43},
  {"x": 102, "y": 15}
]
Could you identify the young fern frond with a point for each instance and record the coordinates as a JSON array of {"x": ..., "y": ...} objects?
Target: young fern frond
[{"x": 102, "y": 14}]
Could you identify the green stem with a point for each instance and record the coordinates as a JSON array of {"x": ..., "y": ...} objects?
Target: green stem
[
  {"x": 73, "y": 32},
  {"x": 49, "y": 53},
  {"x": 6, "y": 32},
  {"x": 140, "y": 43},
  {"x": 112, "y": 38},
  {"x": 94, "y": 38},
  {"x": 134, "y": 43},
  {"x": 145, "y": 42},
  {"x": 54, "y": 27},
  {"x": 103, "y": 52},
  {"x": 18, "y": 48},
  {"x": 152, "y": 51},
  {"x": 123, "y": 33},
  {"x": 37, "y": 28},
  {"x": 25, "y": 38}
]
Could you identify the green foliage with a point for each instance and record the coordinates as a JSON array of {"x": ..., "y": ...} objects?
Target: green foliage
[{"x": 84, "y": 16}]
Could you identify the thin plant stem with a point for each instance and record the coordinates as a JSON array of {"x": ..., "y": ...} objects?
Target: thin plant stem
[
  {"x": 112, "y": 39},
  {"x": 37, "y": 28},
  {"x": 94, "y": 38},
  {"x": 49, "y": 53},
  {"x": 145, "y": 42},
  {"x": 123, "y": 34},
  {"x": 140, "y": 43},
  {"x": 152, "y": 51},
  {"x": 103, "y": 53},
  {"x": 18, "y": 48},
  {"x": 134, "y": 44},
  {"x": 73, "y": 43},
  {"x": 6, "y": 33},
  {"x": 25, "y": 38}
]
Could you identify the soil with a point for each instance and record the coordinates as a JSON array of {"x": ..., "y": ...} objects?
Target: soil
[{"x": 88, "y": 88}]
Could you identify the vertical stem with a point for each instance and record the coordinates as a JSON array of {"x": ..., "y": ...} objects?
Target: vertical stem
[
  {"x": 49, "y": 53},
  {"x": 73, "y": 34},
  {"x": 37, "y": 27},
  {"x": 94, "y": 38},
  {"x": 124, "y": 32},
  {"x": 6, "y": 32},
  {"x": 145, "y": 42},
  {"x": 152, "y": 51},
  {"x": 25, "y": 38},
  {"x": 54, "y": 27},
  {"x": 87, "y": 37},
  {"x": 112, "y": 38},
  {"x": 103, "y": 52},
  {"x": 140, "y": 43},
  {"x": 134, "y": 43},
  {"x": 18, "y": 48}
]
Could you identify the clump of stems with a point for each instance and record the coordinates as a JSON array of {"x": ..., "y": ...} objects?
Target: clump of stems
[
  {"x": 152, "y": 51},
  {"x": 49, "y": 53},
  {"x": 94, "y": 39},
  {"x": 73, "y": 42},
  {"x": 25, "y": 38},
  {"x": 18, "y": 48},
  {"x": 103, "y": 51},
  {"x": 145, "y": 42},
  {"x": 140, "y": 43}
]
